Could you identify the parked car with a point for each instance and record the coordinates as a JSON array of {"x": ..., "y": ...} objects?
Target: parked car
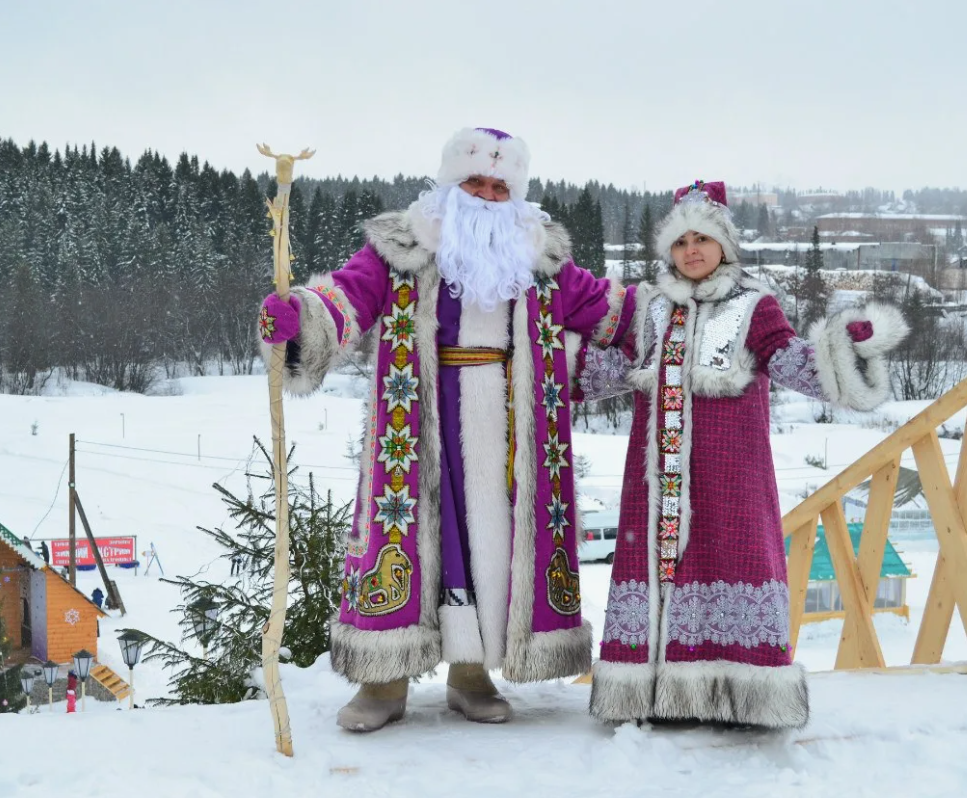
[{"x": 600, "y": 536}]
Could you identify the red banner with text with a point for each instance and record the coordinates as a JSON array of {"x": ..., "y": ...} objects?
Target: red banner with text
[{"x": 114, "y": 551}]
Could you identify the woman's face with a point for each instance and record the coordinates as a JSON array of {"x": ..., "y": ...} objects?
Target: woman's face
[{"x": 696, "y": 255}]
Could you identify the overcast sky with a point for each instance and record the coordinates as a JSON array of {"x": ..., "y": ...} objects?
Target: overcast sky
[{"x": 833, "y": 93}]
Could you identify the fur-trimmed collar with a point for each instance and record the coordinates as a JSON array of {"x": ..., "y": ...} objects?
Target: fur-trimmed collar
[
  {"x": 718, "y": 285},
  {"x": 408, "y": 241}
]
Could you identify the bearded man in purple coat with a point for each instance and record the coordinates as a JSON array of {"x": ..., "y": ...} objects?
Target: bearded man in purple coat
[{"x": 463, "y": 547}]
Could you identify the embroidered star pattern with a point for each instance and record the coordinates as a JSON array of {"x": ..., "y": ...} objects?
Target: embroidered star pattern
[
  {"x": 401, "y": 387},
  {"x": 395, "y": 509},
  {"x": 397, "y": 448},
  {"x": 266, "y": 324}
]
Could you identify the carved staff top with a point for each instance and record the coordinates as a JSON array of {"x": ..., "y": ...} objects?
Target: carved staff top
[
  {"x": 279, "y": 212},
  {"x": 283, "y": 163}
]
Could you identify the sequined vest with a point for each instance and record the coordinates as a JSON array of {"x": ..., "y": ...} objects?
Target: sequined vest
[{"x": 719, "y": 363}]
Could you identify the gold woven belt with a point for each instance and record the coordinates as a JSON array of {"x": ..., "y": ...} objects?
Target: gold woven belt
[
  {"x": 471, "y": 355},
  {"x": 481, "y": 356}
]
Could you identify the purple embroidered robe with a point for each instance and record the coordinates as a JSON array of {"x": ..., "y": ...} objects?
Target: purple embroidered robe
[{"x": 521, "y": 536}]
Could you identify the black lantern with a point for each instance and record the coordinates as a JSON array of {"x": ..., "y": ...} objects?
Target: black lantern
[
  {"x": 82, "y": 664},
  {"x": 50, "y": 671},
  {"x": 131, "y": 643},
  {"x": 27, "y": 683},
  {"x": 204, "y": 614}
]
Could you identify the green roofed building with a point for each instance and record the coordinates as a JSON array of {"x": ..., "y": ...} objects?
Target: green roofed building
[{"x": 823, "y": 600}]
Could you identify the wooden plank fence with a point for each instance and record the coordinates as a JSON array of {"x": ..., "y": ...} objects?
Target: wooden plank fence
[{"x": 858, "y": 575}]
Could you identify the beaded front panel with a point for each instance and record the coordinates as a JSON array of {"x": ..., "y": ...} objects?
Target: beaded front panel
[
  {"x": 671, "y": 401},
  {"x": 563, "y": 584}
]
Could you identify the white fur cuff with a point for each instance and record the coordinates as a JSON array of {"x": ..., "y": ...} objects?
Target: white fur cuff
[{"x": 856, "y": 375}]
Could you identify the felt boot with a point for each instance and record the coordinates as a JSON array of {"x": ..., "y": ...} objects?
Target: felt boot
[
  {"x": 373, "y": 706},
  {"x": 471, "y": 693}
]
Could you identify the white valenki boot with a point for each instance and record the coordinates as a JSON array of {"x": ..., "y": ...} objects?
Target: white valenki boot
[
  {"x": 373, "y": 706},
  {"x": 471, "y": 693}
]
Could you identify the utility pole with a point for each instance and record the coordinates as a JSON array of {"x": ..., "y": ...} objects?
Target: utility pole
[{"x": 71, "y": 530}]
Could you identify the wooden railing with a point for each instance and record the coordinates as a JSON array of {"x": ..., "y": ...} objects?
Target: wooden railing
[{"x": 858, "y": 575}]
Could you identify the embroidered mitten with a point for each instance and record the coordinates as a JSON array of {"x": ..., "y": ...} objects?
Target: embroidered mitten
[{"x": 278, "y": 319}]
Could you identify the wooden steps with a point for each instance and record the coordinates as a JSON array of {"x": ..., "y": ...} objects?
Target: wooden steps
[{"x": 111, "y": 682}]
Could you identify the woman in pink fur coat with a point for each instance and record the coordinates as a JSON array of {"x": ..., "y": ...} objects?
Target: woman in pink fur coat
[{"x": 697, "y": 625}]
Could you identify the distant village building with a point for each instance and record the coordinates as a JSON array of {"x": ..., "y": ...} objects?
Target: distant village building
[
  {"x": 850, "y": 253},
  {"x": 819, "y": 198},
  {"x": 889, "y": 226}
]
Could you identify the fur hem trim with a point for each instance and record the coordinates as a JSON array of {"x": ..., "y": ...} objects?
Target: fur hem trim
[
  {"x": 652, "y": 480},
  {"x": 532, "y": 656},
  {"x": 720, "y": 691},
  {"x": 460, "y": 634},
  {"x": 368, "y": 657},
  {"x": 622, "y": 691},
  {"x": 477, "y": 152},
  {"x": 540, "y": 656},
  {"x": 731, "y": 692},
  {"x": 428, "y": 506},
  {"x": 857, "y": 375},
  {"x": 318, "y": 346},
  {"x": 364, "y": 491},
  {"x": 520, "y": 614},
  {"x": 701, "y": 217}
]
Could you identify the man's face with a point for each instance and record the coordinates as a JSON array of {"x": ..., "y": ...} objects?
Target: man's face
[{"x": 490, "y": 189}]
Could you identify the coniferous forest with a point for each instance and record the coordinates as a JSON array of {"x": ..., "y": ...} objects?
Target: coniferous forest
[{"x": 120, "y": 273}]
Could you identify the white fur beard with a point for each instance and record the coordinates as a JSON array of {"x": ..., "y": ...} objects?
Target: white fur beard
[{"x": 486, "y": 253}]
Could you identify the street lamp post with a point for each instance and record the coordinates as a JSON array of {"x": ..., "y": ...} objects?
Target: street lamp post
[
  {"x": 131, "y": 643},
  {"x": 204, "y": 614},
  {"x": 27, "y": 683},
  {"x": 82, "y": 664},
  {"x": 50, "y": 670}
]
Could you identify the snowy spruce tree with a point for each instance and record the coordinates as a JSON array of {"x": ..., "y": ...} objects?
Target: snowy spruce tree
[
  {"x": 231, "y": 671},
  {"x": 646, "y": 237},
  {"x": 587, "y": 233},
  {"x": 814, "y": 291},
  {"x": 12, "y": 698}
]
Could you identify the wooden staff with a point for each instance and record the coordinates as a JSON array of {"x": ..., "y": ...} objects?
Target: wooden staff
[{"x": 272, "y": 630}]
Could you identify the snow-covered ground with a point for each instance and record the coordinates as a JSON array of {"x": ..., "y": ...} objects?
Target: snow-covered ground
[{"x": 145, "y": 467}]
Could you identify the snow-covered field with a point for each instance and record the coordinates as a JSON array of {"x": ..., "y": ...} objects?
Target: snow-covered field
[{"x": 145, "y": 467}]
